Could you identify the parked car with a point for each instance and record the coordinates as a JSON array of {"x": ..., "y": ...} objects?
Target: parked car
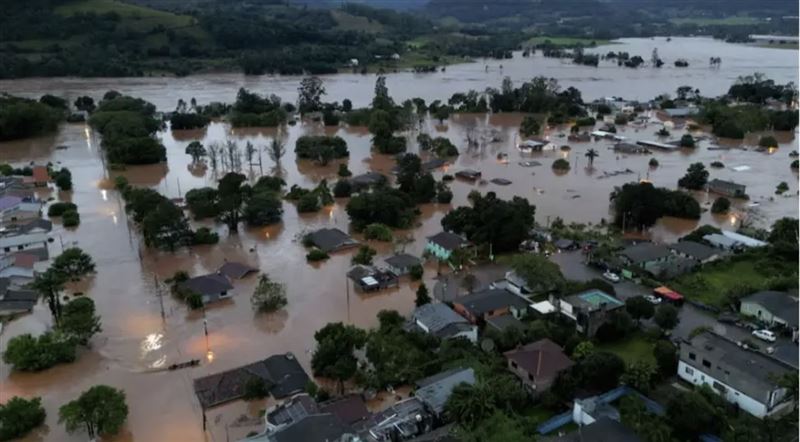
[
  {"x": 765, "y": 335},
  {"x": 653, "y": 299},
  {"x": 728, "y": 318},
  {"x": 613, "y": 277}
]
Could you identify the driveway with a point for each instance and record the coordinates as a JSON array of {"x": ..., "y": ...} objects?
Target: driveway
[
  {"x": 450, "y": 286},
  {"x": 573, "y": 268}
]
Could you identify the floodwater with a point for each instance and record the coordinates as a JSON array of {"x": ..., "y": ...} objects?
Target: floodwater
[
  {"x": 594, "y": 82},
  {"x": 137, "y": 342}
]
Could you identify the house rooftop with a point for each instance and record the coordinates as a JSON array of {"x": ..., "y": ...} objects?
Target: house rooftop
[
  {"x": 40, "y": 174},
  {"x": 22, "y": 240},
  {"x": 321, "y": 427},
  {"x": 402, "y": 260},
  {"x": 594, "y": 299},
  {"x": 645, "y": 252},
  {"x": 435, "y": 390},
  {"x": 448, "y": 241},
  {"x": 604, "y": 429},
  {"x": 282, "y": 373},
  {"x": 293, "y": 410},
  {"x": 726, "y": 185},
  {"x": 236, "y": 270},
  {"x": 368, "y": 179},
  {"x": 696, "y": 250},
  {"x": 7, "y": 202},
  {"x": 755, "y": 372},
  {"x": 503, "y": 322},
  {"x": 488, "y": 300},
  {"x": 210, "y": 284},
  {"x": 349, "y": 409},
  {"x": 402, "y": 418},
  {"x": 35, "y": 224},
  {"x": 329, "y": 240},
  {"x": 544, "y": 359},
  {"x": 780, "y": 304},
  {"x": 436, "y": 317}
]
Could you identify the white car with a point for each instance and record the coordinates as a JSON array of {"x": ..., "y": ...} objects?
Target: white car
[
  {"x": 765, "y": 335},
  {"x": 611, "y": 276},
  {"x": 653, "y": 299}
]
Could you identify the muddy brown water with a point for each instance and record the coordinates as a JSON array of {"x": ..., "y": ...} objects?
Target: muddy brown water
[{"x": 136, "y": 342}]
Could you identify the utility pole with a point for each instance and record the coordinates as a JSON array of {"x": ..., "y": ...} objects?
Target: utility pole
[
  {"x": 160, "y": 296},
  {"x": 347, "y": 291}
]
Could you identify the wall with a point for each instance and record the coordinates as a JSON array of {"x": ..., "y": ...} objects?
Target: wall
[
  {"x": 756, "y": 310},
  {"x": 438, "y": 251},
  {"x": 697, "y": 377}
]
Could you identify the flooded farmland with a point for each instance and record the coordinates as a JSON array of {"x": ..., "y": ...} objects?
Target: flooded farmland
[{"x": 143, "y": 332}]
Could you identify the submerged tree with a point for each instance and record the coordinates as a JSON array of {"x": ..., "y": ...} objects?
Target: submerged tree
[
  {"x": 268, "y": 295},
  {"x": 101, "y": 410}
]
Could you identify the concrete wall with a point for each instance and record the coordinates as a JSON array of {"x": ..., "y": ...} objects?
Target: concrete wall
[{"x": 757, "y": 310}]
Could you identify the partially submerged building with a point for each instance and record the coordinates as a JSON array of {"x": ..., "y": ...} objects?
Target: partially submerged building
[{"x": 330, "y": 240}]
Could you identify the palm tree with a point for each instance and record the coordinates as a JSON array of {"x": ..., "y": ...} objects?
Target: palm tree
[{"x": 591, "y": 154}]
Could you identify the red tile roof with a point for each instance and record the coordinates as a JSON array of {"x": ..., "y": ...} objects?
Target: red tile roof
[
  {"x": 544, "y": 359},
  {"x": 40, "y": 174}
]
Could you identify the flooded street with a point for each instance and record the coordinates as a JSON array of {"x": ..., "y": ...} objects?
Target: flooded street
[
  {"x": 137, "y": 343},
  {"x": 594, "y": 82}
]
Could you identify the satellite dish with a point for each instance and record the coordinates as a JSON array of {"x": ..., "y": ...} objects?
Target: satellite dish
[{"x": 487, "y": 345}]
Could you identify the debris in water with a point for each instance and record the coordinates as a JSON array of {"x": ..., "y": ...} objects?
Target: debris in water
[{"x": 501, "y": 181}]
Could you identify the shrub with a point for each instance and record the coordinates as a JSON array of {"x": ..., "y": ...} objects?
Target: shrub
[
  {"x": 782, "y": 188},
  {"x": 416, "y": 272},
  {"x": 342, "y": 189},
  {"x": 561, "y": 164},
  {"x": 585, "y": 121},
  {"x": 308, "y": 203},
  {"x": 717, "y": 164},
  {"x": 663, "y": 132},
  {"x": 19, "y": 416},
  {"x": 653, "y": 162},
  {"x": 768, "y": 141},
  {"x": 364, "y": 256},
  {"x": 687, "y": 141},
  {"x": 344, "y": 171},
  {"x": 121, "y": 183},
  {"x": 58, "y": 209},
  {"x": 721, "y": 205},
  {"x": 71, "y": 218},
  {"x": 378, "y": 231},
  {"x": 316, "y": 255},
  {"x": 194, "y": 301},
  {"x": 28, "y": 353},
  {"x": 795, "y": 164},
  {"x": 621, "y": 119},
  {"x": 204, "y": 235}
]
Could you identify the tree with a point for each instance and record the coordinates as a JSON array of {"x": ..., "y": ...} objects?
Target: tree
[
  {"x": 165, "y": 226},
  {"x": 585, "y": 348},
  {"x": 500, "y": 224},
  {"x": 309, "y": 95},
  {"x": 639, "y": 375},
  {"x": 342, "y": 189},
  {"x": 333, "y": 357},
  {"x": 388, "y": 206},
  {"x": 561, "y": 165},
  {"x": 19, "y": 416},
  {"x": 422, "y": 296},
  {"x": 382, "y": 100},
  {"x": 63, "y": 179},
  {"x": 73, "y": 263},
  {"x": 538, "y": 272},
  {"x": 416, "y": 272},
  {"x": 364, "y": 256},
  {"x": 768, "y": 141},
  {"x": 687, "y": 141},
  {"x": 469, "y": 404},
  {"x": 442, "y": 113},
  {"x": 499, "y": 427},
  {"x": 101, "y": 410},
  {"x": 276, "y": 150},
  {"x": 27, "y": 353},
  {"x": 639, "y": 308},
  {"x": 601, "y": 370},
  {"x": 262, "y": 209},
  {"x": 666, "y": 356},
  {"x": 721, "y": 205},
  {"x": 268, "y": 295},
  {"x": 696, "y": 177},
  {"x": 49, "y": 284},
  {"x": 666, "y": 317},
  {"x": 530, "y": 126},
  {"x": 230, "y": 199},
  {"x": 691, "y": 414},
  {"x": 591, "y": 154},
  {"x": 79, "y": 321},
  {"x": 343, "y": 171},
  {"x": 84, "y": 103},
  {"x": 196, "y": 150},
  {"x": 783, "y": 238},
  {"x": 781, "y": 188}
]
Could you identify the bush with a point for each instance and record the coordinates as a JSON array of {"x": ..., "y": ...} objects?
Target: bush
[
  {"x": 621, "y": 119},
  {"x": 194, "y": 301},
  {"x": 204, "y": 235},
  {"x": 663, "y": 132},
  {"x": 58, "y": 209},
  {"x": 342, "y": 189},
  {"x": 795, "y": 164},
  {"x": 71, "y": 218},
  {"x": 19, "y": 416},
  {"x": 687, "y": 141},
  {"x": 653, "y": 162},
  {"x": 121, "y": 183},
  {"x": 444, "y": 196},
  {"x": 364, "y": 256},
  {"x": 782, "y": 188},
  {"x": 181, "y": 121},
  {"x": 721, "y": 205},
  {"x": 585, "y": 121},
  {"x": 63, "y": 179},
  {"x": 308, "y": 203},
  {"x": 316, "y": 255},
  {"x": 561, "y": 164},
  {"x": 416, "y": 272},
  {"x": 717, "y": 164},
  {"x": 344, "y": 172},
  {"x": 377, "y": 231},
  {"x": 768, "y": 141},
  {"x": 27, "y": 353}
]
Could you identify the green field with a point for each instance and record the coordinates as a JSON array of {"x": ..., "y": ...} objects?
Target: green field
[
  {"x": 632, "y": 349},
  {"x": 566, "y": 41},
  {"x": 737, "y": 20}
]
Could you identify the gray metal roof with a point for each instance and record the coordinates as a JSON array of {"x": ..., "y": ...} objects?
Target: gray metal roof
[
  {"x": 645, "y": 252},
  {"x": 750, "y": 372},
  {"x": 437, "y": 316},
  {"x": 329, "y": 240},
  {"x": 491, "y": 299},
  {"x": 448, "y": 240},
  {"x": 695, "y": 250},
  {"x": 236, "y": 270},
  {"x": 780, "y": 304},
  {"x": 503, "y": 322},
  {"x": 402, "y": 260},
  {"x": 210, "y": 284},
  {"x": 729, "y": 186},
  {"x": 434, "y": 391}
]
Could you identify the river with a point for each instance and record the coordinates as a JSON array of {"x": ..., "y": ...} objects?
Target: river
[{"x": 136, "y": 340}]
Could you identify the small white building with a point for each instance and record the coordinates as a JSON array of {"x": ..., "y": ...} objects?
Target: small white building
[
  {"x": 18, "y": 243},
  {"x": 743, "y": 377}
]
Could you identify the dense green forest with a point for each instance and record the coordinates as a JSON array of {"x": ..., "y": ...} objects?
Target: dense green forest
[{"x": 156, "y": 37}]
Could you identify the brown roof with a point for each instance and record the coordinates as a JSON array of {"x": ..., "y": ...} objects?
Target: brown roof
[
  {"x": 40, "y": 174},
  {"x": 25, "y": 260},
  {"x": 544, "y": 359},
  {"x": 349, "y": 409}
]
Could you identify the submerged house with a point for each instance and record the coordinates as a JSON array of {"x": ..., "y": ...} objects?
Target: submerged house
[
  {"x": 367, "y": 181},
  {"x": 370, "y": 279},
  {"x": 727, "y": 188},
  {"x": 402, "y": 263},
  {"x": 211, "y": 288},
  {"x": 330, "y": 240},
  {"x": 443, "y": 244}
]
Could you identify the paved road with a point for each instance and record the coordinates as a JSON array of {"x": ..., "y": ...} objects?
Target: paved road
[
  {"x": 450, "y": 286},
  {"x": 573, "y": 268}
]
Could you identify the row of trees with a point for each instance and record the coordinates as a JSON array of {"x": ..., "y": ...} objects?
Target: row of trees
[
  {"x": 128, "y": 126},
  {"x": 640, "y": 205},
  {"x": 23, "y": 117}
]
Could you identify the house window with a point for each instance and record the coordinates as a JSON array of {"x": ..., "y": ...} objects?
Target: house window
[
  {"x": 20, "y": 247},
  {"x": 719, "y": 387},
  {"x": 706, "y": 363},
  {"x": 689, "y": 370},
  {"x": 513, "y": 364},
  {"x": 692, "y": 356}
]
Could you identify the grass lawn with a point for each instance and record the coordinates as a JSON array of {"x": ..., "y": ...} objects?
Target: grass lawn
[
  {"x": 566, "y": 41},
  {"x": 635, "y": 348},
  {"x": 727, "y": 21}
]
